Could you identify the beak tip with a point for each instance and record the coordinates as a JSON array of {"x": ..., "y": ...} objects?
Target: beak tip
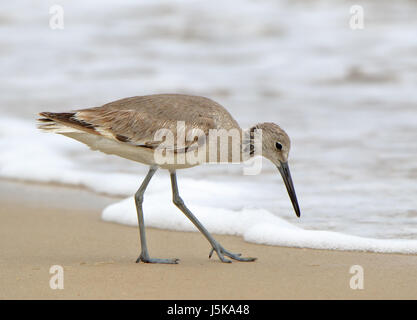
[{"x": 298, "y": 213}]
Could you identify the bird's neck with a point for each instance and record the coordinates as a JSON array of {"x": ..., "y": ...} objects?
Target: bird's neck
[
  {"x": 248, "y": 143},
  {"x": 232, "y": 146}
]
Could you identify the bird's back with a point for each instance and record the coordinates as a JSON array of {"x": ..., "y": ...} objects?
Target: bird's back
[{"x": 175, "y": 107}]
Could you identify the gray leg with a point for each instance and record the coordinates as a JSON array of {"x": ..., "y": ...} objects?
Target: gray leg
[
  {"x": 144, "y": 255},
  {"x": 221, "y": 252}
]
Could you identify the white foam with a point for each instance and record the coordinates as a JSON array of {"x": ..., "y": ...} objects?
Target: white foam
[{"x": 254, "y": 225}]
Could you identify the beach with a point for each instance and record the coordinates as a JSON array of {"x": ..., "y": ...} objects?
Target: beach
[{"x": 45, "y": 225}]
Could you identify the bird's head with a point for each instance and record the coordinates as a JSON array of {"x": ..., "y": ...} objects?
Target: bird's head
[{"x": 276, "y": 147}]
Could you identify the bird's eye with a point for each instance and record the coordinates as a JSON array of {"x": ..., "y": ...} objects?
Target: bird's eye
[{"x": 278, "y": 145}]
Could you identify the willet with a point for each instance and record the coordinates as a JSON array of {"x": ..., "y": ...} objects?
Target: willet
[{"x": 128, "y": 128}]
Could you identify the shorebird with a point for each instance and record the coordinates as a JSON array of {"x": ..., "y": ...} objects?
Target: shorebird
[{"x": 128, "y": 128}]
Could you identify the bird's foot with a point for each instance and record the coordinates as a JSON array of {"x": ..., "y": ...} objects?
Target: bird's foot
[
  {"x": 221, "y": 252},
  {"x": 147, "y": 259}
]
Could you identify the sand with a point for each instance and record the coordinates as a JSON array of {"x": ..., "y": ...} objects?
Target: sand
[{"x": 46, "y": 225}]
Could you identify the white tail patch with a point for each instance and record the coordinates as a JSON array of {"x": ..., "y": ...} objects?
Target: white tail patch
[{"x": 55, "y": 127}]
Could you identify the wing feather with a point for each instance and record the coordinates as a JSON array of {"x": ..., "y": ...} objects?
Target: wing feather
[{"x": 136, "y": 120}]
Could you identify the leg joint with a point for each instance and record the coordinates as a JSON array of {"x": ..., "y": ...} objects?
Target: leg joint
[
  {"x": 178, "y": 201},
  {"x": 139, "y": 197}
]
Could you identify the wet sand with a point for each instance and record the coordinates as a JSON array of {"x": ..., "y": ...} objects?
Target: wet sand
[{"x": 45, "y": 225}]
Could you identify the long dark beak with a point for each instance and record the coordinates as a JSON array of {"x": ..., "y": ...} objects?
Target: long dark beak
[{"x": 286, "y": 176}]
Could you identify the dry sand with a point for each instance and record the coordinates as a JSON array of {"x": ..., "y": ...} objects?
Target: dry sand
[{"x": 43, "y": 225}]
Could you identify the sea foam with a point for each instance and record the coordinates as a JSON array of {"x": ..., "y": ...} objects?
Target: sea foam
[{"x": 254, "y": 225}]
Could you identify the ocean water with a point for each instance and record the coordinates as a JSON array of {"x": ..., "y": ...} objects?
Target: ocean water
[{"x": 347, "y": 98}]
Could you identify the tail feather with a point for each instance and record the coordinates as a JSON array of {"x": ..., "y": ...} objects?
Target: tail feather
[{"x": 63, "y": 122}]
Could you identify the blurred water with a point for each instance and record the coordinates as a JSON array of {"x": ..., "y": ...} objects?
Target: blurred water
[{"x": 347, "y": 98}]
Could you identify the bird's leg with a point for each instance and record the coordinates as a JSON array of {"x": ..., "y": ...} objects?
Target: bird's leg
[
  {"x": 144, "y": 255},
  {"x": 221, "y": 252}
]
